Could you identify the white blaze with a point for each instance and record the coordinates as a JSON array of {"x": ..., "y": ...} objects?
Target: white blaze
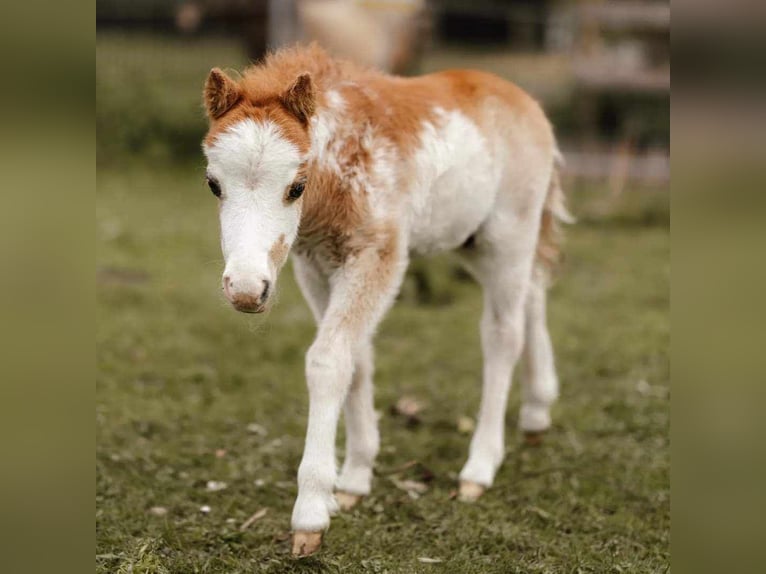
[{"x": 254, "y": 164}]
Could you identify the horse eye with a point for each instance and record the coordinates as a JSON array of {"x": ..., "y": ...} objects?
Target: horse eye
[
  {"x": 214, "y": 187},
  {"x": 296, "y": 190}
]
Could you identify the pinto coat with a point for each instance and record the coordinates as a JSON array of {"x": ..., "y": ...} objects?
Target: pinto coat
[{"x": 353, "y": 170}]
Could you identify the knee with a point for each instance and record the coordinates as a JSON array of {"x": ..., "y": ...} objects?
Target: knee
[
  {"x": 506, "y": 331},
  {"x": 328, "y": 366}
]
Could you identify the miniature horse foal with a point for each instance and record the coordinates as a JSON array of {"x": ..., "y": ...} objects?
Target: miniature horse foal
[{"x": 352, "y": 170}]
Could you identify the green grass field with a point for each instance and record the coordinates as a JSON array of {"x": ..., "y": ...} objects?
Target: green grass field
[
  {"x": 181, "y": 376},
  {"x": 182, "y": 379}
]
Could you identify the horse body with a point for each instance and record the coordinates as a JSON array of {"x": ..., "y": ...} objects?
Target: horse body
[
  {"x": 390, "y": 166},
  {"x": 434, "y": 151},
  {"x": 457, "y": 183}
]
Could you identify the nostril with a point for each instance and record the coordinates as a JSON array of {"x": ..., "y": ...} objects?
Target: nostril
[{"x": 266, "y": 287}]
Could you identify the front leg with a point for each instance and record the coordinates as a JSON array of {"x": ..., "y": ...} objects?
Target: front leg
[
  {"x": 328, "y": 374},
  {"x": 360, "y": 293},
  {"x": 362, "y": 438}
]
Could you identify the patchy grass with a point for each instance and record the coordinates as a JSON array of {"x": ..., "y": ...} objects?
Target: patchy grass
[{"x": 181, "y": 376}]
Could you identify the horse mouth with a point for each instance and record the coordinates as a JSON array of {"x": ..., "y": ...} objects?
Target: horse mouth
[
  {"x": 247, "y": 303},
  {"x": 250, "y": 309}
]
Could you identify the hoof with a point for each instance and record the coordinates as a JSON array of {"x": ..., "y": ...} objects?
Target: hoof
[
  {"x": 346, "y": 500},
  {"x": 306, "y": 543},
  {"x": 533, "y": 438},
  {"x": 469, "y": 491}
]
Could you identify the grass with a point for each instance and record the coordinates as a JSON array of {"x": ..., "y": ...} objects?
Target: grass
[
  {"x": 149, "y": 93},
  {"x": 182, "y": 377}
]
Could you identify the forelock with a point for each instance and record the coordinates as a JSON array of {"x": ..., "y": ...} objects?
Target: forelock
[{"x": 253, "y": 151}]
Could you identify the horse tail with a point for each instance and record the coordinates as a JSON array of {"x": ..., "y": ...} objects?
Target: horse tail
[{"x": 554, "y": 214}]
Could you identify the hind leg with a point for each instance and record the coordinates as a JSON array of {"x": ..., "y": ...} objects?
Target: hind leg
[
  {"x": 539, "y": 383},
  {"x": 504, "y": 275}
]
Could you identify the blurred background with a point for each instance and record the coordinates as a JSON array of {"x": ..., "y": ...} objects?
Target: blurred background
[
  {"x": 600, "y": 68},
  {"x": 200, "y": 411}
]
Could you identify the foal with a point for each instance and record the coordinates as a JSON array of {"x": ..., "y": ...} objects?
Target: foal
[{"x": 352, "y": 170}]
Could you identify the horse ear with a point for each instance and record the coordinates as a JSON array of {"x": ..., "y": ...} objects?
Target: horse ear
[
  {"x": 220, "y": 94},
  {"x": 300, "y": 98}
]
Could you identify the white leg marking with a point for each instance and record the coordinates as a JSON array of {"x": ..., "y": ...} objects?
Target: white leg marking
[
  {"x": 328, "y": 374},
  {"x": 360, "y": 294},
  {"x": 540, "y": 386},
  {"x": 313, "y": 285},
  {"x": 362, "y": 438},
  {"x": 317, "y": 466},
  {"x": 502, "y": 333}
]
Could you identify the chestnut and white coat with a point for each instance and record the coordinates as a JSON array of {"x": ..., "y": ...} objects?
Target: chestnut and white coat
[{"x": 352, "y": 171}]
